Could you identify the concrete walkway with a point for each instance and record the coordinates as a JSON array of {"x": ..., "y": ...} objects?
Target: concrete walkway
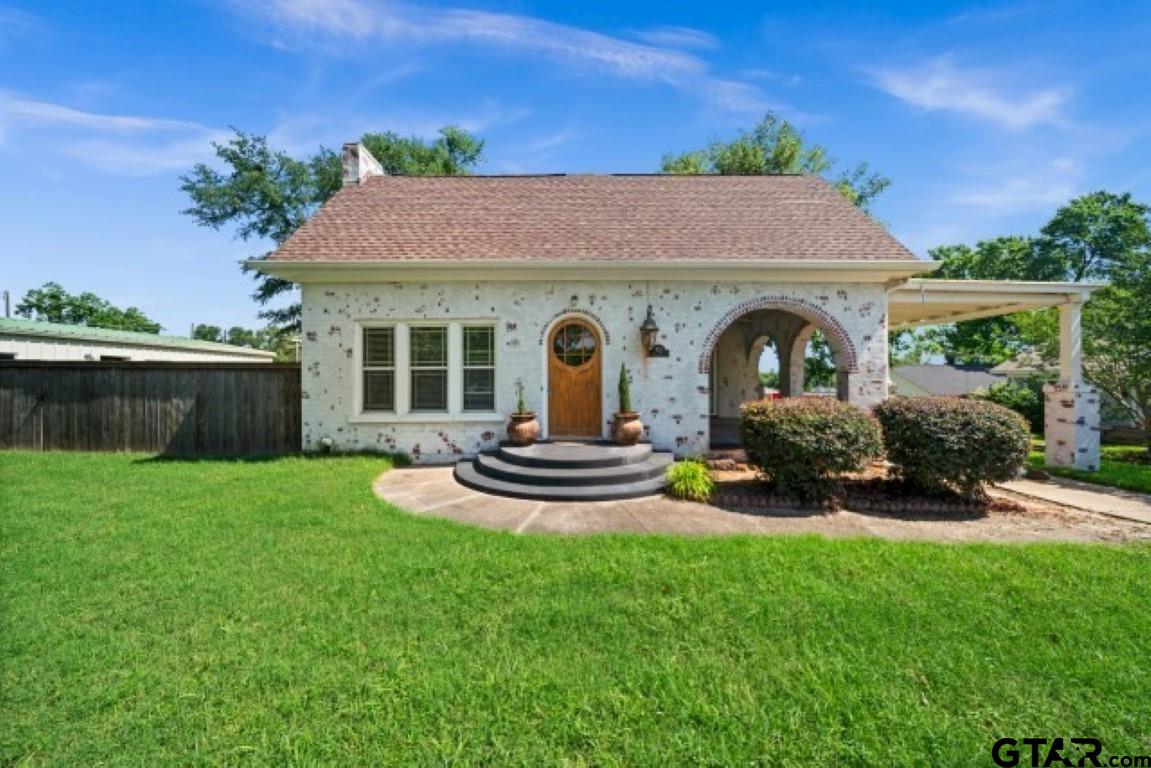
[
  {"x": 432, "y": 491},
  {"x": 1086, "y": 496}
]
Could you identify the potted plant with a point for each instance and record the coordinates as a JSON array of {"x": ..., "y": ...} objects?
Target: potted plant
[
  {"x": 626, "y": 428},
  {"x": 523, "y": 429}
]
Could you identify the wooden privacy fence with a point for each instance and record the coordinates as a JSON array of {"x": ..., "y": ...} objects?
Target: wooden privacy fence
[{"x": 169, "y": 408}]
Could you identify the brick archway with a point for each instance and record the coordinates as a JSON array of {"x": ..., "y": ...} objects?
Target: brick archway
[{"x": 836, "y": 335}]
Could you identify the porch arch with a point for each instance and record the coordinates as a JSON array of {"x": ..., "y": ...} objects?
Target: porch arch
[{"x": 837, "y": 336}]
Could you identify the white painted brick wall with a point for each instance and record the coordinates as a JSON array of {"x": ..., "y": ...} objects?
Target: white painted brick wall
[{"x": 670, "y": 393}]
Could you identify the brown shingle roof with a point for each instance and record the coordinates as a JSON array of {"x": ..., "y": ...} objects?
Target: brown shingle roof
[{"x": 609, "y": 218}]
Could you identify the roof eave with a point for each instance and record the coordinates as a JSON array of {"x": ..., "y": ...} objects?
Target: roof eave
[{"x": 788, "y": 270}]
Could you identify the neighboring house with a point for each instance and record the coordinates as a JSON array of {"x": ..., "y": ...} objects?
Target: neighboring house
[
  {"x": 427, "y": 299},
  {"x": 942, "y": 379},
  {"x": 33, "y": 340},
  {"x": 1024, "y": 366}
]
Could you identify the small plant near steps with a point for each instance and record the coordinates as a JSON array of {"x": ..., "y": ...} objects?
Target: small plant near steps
[{"x": 690, "y": 480}]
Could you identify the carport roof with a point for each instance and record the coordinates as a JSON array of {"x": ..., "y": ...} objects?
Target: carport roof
[{"x": 922, "y": 301}]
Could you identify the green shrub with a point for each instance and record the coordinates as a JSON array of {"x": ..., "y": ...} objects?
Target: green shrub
[
  {"x": 690, "y": 479},
  {"x": 802, "y": 444},
  {"x": 1024, "y": 397},
  {"x": 940, "y": 443}
]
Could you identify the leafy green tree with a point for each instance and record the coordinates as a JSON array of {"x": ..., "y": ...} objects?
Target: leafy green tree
[
  {"x": 51, "y": 303},
  {"x": 207, "y": 333},
  {"x": 265, "y": 194},
  {"x": 1096, "y": 236},
  {"x": 819, "y": 364},
  {"x": 774, "y": 146},
  {"x": 911, "y": 347},
  {"x": 1100, "y": 236},
  {"x": 272, "y": 339}
]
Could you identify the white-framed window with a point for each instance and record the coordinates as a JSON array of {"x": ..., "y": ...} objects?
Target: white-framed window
[
  {"x": 479, "y": 366},
  {"x": 425, "y": 371},
  {"x": 379, "y": 369},
  {"x": 428, "y": 369}
]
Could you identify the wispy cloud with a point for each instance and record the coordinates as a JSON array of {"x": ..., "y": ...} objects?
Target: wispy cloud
[
  {"x": 299, "y": 134},
  {"x": 1041, "y": 187},
  {"x": 677, "y": 37},
  {"x": 124, "y": 144},
  {"x": 940, "y": 85},
  {"x": 15, "y": 24},
  {"x": 18, "y": 110},
  {"x": 371, "y": 23}
]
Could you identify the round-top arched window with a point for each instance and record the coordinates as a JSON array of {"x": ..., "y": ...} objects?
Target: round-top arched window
[{"x": 574, "y": 344}]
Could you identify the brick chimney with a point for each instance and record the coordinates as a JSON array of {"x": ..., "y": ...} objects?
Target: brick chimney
[{"x": 359, "y": 164}]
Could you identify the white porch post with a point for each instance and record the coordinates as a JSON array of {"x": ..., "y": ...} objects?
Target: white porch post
[
  {"x": 1071, "y": 422},
  {"x": 1071, "y": 343}
]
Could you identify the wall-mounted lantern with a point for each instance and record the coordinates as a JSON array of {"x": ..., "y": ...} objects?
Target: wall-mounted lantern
[{"x": 649, "y": 336}]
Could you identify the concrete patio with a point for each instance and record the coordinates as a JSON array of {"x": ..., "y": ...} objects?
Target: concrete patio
[{"x": 433, "y": 492}]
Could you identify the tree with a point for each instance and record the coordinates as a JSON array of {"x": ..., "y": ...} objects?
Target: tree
[
  {"x": 51, "y": 303},
  {"x": 272, "y": 339},
  {"x": 212, "y": 333},
  {"x": 1094, "y": 235},
  {"x": 774, "y": 146},
  {"x": 819, "y": 363},
  {"x": 266, "y": 195},
  {"x": 1099, "y": 236}
]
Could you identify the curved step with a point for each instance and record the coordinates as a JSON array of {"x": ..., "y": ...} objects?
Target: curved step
[
  {"x": 574, "y": 455},
  {"x": 467, "y": 475},
  {"x": 495, "y": 467}
]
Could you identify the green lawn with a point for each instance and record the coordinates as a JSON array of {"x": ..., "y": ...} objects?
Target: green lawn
[
  {"x": 1113, "y": 469},
  {"x": 276, "y": 613}
]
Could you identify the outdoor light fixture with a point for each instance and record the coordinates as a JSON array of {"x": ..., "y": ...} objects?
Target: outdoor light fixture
[{"x": 649, "y": 334}]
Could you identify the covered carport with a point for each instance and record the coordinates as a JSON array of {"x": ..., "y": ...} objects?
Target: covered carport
[{"x": 1071, "y": 425}]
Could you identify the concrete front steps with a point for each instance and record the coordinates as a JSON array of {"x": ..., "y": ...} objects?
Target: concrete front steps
[{"x": 567, "y": 471}]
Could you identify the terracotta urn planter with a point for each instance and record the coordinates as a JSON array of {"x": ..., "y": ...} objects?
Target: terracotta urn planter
[
  {"x": 523, "y": 429},
  {"x": 626, "y": 428}
]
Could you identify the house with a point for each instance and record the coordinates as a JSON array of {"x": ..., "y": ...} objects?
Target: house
[
  {"x": 34, "y": 340},
  {"x": 426, "y": 300},
  {"x": 942, "y": 379}
]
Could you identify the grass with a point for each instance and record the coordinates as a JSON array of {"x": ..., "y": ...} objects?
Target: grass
[
  {"x": 276, "y": 613},
  {"x": 1115, "y": 468}
]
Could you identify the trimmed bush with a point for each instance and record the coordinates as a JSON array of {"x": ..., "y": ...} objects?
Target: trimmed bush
[
  {"x": 802, "y": 444},
  {"x": 690, "y": 479},
  {"x": 947, "y": 443}
]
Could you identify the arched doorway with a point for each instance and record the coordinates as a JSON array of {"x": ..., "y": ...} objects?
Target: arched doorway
[
  {"x": 575, "y": 397},
  {"x": 795, "y": 338}
]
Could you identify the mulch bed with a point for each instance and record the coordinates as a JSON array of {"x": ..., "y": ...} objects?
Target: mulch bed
[{"x": 870, "y": 491}]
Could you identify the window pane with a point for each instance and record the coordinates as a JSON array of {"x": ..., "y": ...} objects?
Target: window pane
[
  {"x": 379, "y": 391},
  {"x": 479, "y": 346},
  {"x": 479, "y": 389},
  {"x": 429, "y": 390},
  {"x": 379, "y": 347},
  {"x": 429, "y": 346}
]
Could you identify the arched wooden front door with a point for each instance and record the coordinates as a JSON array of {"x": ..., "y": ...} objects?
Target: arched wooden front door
[{"x": 574, "y": 380}]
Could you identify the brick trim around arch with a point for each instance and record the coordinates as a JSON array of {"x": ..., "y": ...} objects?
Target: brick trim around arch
[
  {"x": 600, "y": 325},
  {"x": 827, "y": 323}
]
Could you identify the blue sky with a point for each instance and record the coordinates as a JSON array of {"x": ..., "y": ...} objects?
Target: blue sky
[{"x": 987, "y": 116}]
